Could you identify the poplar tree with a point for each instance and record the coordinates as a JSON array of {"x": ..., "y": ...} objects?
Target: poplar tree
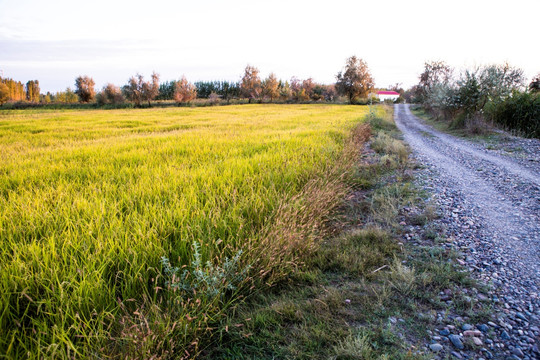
[
  {"x": 32, "y": 91},
  {"x": 4, "y": 93}
]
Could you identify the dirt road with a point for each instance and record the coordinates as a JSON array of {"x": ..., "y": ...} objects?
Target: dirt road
[{"x": 491, "y": 202}]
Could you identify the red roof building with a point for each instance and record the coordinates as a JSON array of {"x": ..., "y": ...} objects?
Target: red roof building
[{"x": 387, "y": 95}]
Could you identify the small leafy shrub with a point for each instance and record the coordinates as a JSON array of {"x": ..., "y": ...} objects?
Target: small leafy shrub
[{"x": 209, "y": 281}]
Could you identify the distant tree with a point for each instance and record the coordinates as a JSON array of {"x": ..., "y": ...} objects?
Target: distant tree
[
  {"x": 271, "y": 87},
  {"x": 397, "y": 88},
  {"x": 184, "y": 91},
  {"x": 15, "y": 89},
  {"x": 356, "y": 80},
  {"x": 45, "y": 99},
  {"x": 329, "y": 92},
  {"x": 32, "y": 91},
  {"x": 138, "y": 90},
  {"x": 110, "y": 94},
  {"x": 250, "y": 84},
  {"x": 285, "y": 92},
  {"x": 435, "y": 74},
  {"x": 151, "y": 89},
  {"x": 84, "y": 88},
  {"x": 68, "y": 97},
  {"x": 308, "y": 86},
  {"x": 4, "y": 93},
  {"x": 499, "y": 81},
  {"x": 318, "y": 92},
  {"x": 166, "y": 90},
  {"x": 534, "y": 86},
  {"x": 229, "y": 90},
  {"x": 296, "y": 88}
]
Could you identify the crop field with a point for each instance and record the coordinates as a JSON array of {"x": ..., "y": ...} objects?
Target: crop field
[{"x": 98, "y": 208}]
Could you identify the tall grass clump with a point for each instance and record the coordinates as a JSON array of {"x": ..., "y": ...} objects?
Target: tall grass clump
[{"x": 131, "y": 233}]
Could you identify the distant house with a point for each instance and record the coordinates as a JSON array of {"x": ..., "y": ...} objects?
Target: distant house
[{"x": 387, "y": 95}]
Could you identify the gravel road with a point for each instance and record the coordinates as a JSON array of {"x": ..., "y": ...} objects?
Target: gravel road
[{"x": 490, "y": 202}]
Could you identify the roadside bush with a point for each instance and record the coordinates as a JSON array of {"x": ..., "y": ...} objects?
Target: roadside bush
[{"x": 520, "y": 112}]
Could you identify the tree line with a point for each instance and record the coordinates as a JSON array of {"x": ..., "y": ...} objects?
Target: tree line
[
  {"x": 471, "y": 99},
  {"x": 354, "y": 82},
  {"x": 17, "y": 91}
]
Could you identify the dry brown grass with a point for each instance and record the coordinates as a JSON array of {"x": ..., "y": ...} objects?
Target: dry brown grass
[{"x": 301, "y": 222}]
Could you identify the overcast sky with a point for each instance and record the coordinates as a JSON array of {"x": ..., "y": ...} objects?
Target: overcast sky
[{"x": 54, "y": 41}]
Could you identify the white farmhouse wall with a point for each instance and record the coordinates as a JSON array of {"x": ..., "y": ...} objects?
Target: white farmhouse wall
[{"x": 383, "y": 97}]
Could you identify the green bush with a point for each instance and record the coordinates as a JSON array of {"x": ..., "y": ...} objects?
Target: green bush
[{"x": 519, "y": 112}]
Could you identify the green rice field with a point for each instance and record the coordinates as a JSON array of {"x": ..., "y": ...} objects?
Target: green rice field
[{"x": 95, "y": 205}]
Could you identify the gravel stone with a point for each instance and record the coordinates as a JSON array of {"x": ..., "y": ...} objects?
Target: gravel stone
[{"x": 456, "y": 341}]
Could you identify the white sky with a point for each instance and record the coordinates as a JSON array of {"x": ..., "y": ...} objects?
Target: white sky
[{"x": 54, "y": 41}]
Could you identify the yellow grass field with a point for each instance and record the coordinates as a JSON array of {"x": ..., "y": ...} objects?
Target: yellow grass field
[{"x": 96, "y": 205}]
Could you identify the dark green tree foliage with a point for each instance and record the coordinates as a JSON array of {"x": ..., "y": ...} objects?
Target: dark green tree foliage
[
  {"x": 32, "y": 91},
  {"x": 166, "y": 90},
  {"x": 225, "y": 89},
  {"x": 521, "y": 112},
  {"x": 84, "y": 88}
]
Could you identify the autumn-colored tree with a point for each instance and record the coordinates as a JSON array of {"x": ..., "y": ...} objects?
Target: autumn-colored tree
[
  {"x": 271, "y": 87},
  {"x": 32, "y": 91},
  {"x": 84, "y": 88},
  {"x": 296, "y": 88},
  {"x": 15, "y": 89},
  {"x": 309, "y": 87},
  {"x": 45, "y": 99},
  {"x": 4, "y": 93},
  {"x": 151, "y": 89},
  {"x": 355, "y": 80},
  {"x": 138, "y": 90},
  {"x": 110, "y": 94},
  {"x": 184, "y": 91},
  {"x": 250, "y": 84}
]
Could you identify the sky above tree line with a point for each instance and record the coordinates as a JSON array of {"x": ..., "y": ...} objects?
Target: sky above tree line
[{"x": 56, "y": 41}]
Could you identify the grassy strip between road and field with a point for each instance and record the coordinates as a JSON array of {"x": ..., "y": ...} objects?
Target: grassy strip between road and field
[{"x": 364, "y": 294}]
